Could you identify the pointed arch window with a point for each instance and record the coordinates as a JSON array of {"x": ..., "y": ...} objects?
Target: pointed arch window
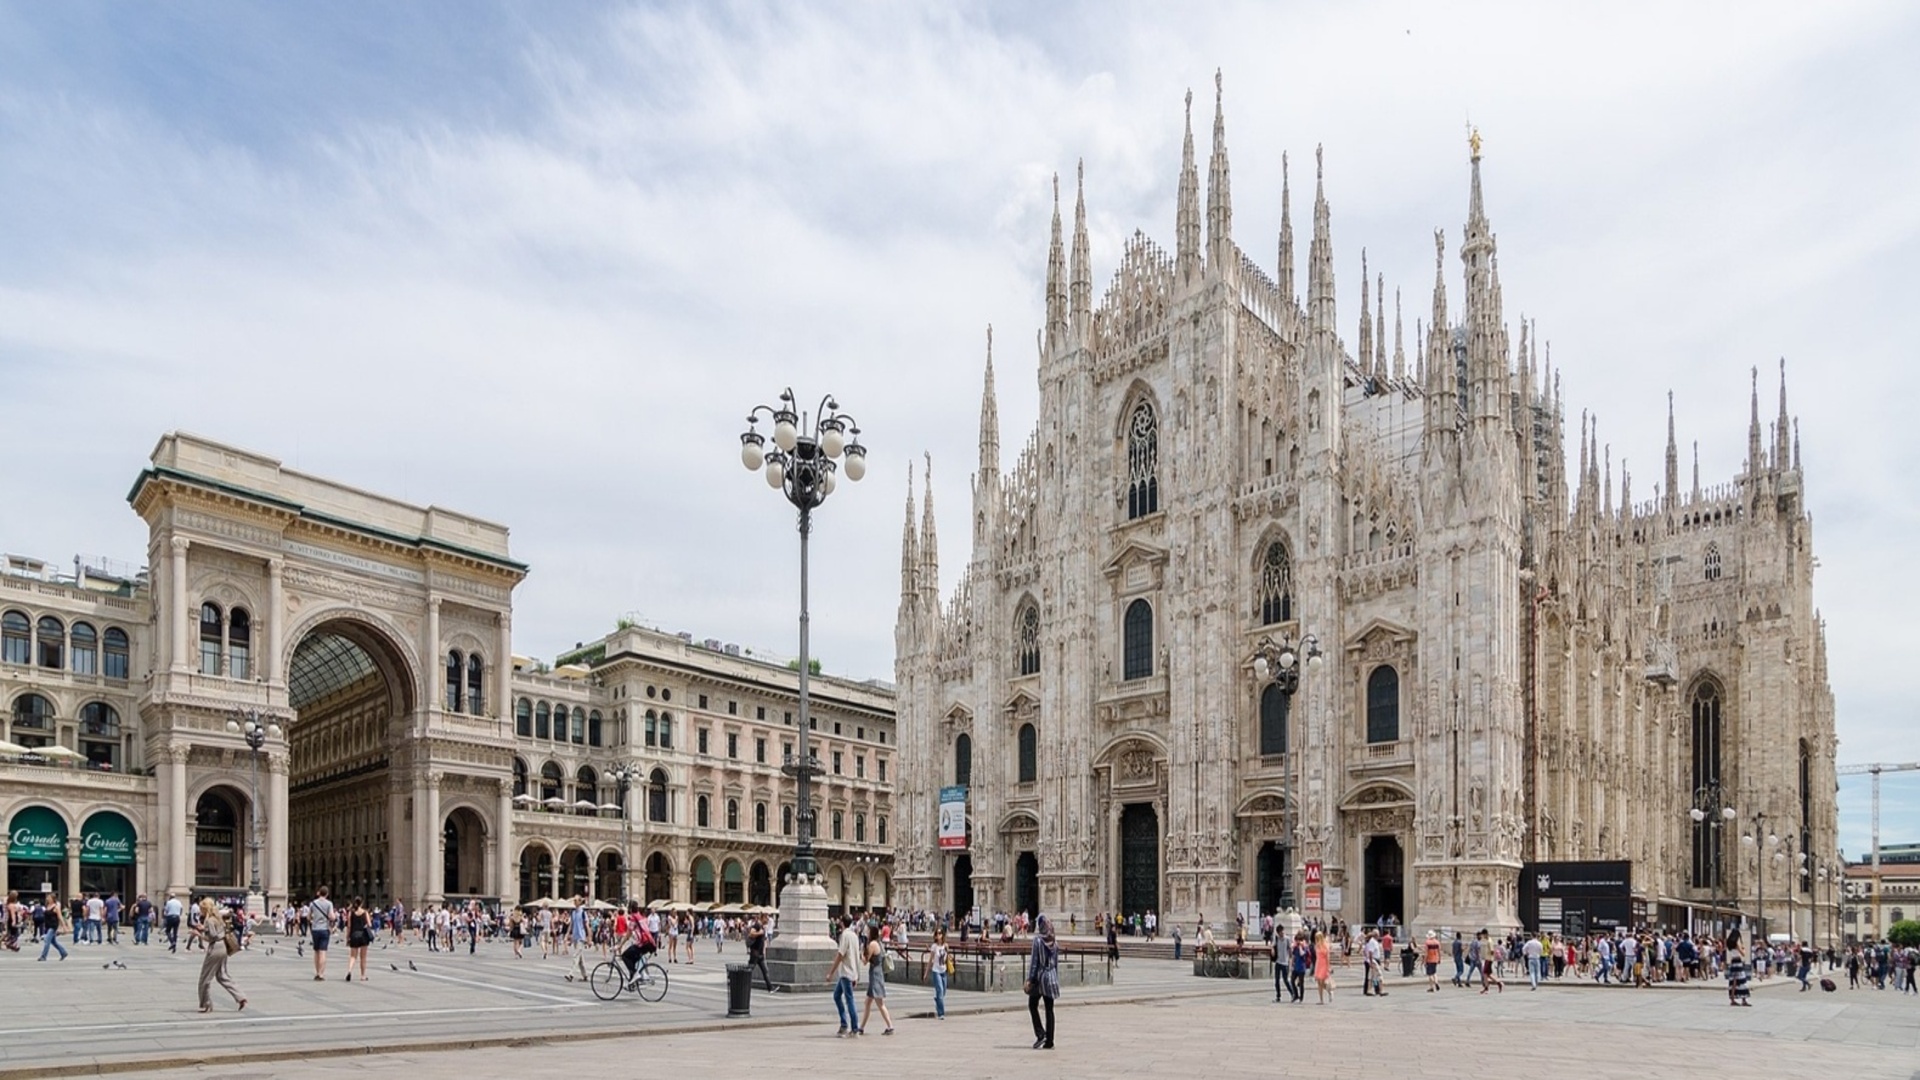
[
  {"x": 1029, "y": 629},
  {"x": 700, "y": 806},
  {"x": 523, "y": 718},
  {"x": 117, "y": 656},
  {"x": 212, "y": 622},
  {"x": 786, "y": 821},
  {"x": 85, "y": 643},
  {"x": 760, "y": 817},
  {"x": 595, "y": 736},
  {"x": 1383, "y": 705},
  {"x": 1029, "y": 754},
  {"x": 1137, "y": 641},
  {"x": 1276, "y": 706},
  {"x": 476, "y": 679},
  {"x": 579, "y": 726},
  {"x": 239, "y": 643},
  {"x": 963, "y": 759},
  {"x": 542, "y": 721},
  {"x": 733, "y": 815},
  {"x": 1712, "y": 567},
  {"x": 1143, "y": 462},
  {"x": 1707, "y": 855},
  {"x": 1275, "y": 604}
]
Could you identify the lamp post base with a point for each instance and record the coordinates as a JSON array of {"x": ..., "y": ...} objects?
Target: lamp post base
[{"x": 800, "y": 957}]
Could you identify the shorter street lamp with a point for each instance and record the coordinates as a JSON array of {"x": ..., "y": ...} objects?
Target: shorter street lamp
[
  {"x": 256, "y": 728},
  {"x": 1710, "y": 810},
  {"x": 1752, "y": 840},
  {"x": 624, "y": 775}
]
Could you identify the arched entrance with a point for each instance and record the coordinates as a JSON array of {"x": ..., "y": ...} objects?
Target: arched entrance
[
  {"x": 1272, "y": 880},
  {"x": 608, "y": 879},
  {"x": 659, "y": 877},
  {"x": 1139, "y": 859},
  {"x": 351, "y": 693},
  {"x": 702, "y": 880},
  {"x": 463, "y": 863},
  {"x": 733, "y": 883},
  {"x": 780, "y": 877},
  {"x": 1026, "y": 884},
  {"x": 219, "y": 840},
  {"x": 1385, "y": 876},
  {"x": 573, "y": 873},
  {"x": 962, "y": 886},
  {"x": 759, "y": 885},
  {"x": 536, "y": 872}
]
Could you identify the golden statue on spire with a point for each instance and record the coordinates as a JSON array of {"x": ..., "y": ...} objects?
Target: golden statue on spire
[{"x": 1473, "y": 142}]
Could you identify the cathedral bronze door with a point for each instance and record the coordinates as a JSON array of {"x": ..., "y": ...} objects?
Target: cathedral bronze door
[
  {"x": 962, "y": 886},
  {"x": 1139, "y": 859},
  {"x": 1385, "y": 867},
  {"x": 1026, "y": 884}
]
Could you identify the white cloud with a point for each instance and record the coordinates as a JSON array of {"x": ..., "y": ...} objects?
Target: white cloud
[{"x": 557, "y": 319}]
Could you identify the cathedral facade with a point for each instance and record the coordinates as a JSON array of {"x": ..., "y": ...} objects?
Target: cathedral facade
[{"x": 1517, "y": 662}]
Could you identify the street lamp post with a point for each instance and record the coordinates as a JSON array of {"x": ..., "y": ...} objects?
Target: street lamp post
[
  {"x": 1280, "y": 663},
  {"x": 1795, "y": 861},
  {"x": 1710, "y": 809},
  {"x": 624, "y": 774},
  {"x": 1753, "y": 840},
  {"x": 256, "y": 728},
  {"x": 802, "y": 465}
]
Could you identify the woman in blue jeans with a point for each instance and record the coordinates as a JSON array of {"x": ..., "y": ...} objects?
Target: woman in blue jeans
[
  {"x": 938, "y": 957},
  {"x": 50, "y": 932}
]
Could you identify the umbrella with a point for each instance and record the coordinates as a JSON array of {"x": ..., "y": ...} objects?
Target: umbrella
[
  {"x": 556, "y": 802},
  {"x": 729, "y": 909},
  {"x": 13, "y": 748},
  {"x": 602, "y": 905},
  {"x": 59, "y": 752},
  {"x": 585, "y": 804},
  {"x": 612, "y": 808},
  {"x": 524, "y": 799}
]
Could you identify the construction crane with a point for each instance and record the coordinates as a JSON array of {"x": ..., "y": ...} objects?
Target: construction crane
[{"x": 1875, "y": 769}]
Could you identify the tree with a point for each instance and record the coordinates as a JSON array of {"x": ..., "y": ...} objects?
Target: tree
[
  {"x": 1905, "y": 933},
  {"x": 813, "y": 666}
]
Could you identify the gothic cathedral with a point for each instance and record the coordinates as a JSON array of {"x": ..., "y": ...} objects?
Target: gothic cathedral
[{"x": 1509, "y": 662}]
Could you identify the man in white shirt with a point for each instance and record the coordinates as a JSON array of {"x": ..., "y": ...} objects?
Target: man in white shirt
[
  {"x": 320, "y": 918},
  {"x": 1531, "y": 951},
  {"x": 170, "y": 918},
  {"x": 1371, "y": 984},
  {"x": 846, "y": 971}
]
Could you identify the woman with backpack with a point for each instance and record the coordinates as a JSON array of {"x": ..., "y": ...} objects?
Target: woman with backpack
[{"x": 1043, "y": 982}]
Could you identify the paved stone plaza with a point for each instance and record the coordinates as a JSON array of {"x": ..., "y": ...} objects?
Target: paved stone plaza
[{"x": 492, "y": 1015}]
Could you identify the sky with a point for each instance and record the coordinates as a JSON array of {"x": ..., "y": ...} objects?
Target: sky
[{"x": 536, "y": 262}]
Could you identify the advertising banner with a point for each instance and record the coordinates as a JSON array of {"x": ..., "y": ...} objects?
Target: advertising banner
[
  {"x": 37, "y": 835},
  {"x": 107, "y": 838},
  {"x": 953, "y": 818}
]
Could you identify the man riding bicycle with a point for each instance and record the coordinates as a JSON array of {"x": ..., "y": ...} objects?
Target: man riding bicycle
[{"x": 640, "y": 941}]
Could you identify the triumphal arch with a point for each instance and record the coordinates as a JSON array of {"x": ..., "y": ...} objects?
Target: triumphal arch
[{"x": 375, "y": 634}]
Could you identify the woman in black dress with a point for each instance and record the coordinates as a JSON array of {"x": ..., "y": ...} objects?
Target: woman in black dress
[{"x": 359, "y": 937}]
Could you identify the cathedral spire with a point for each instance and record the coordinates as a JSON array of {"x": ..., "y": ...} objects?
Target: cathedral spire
[
  {"x": 1287, "y": 295},
  {"x": 1606, "y": 505},
  {"x": 1696, "y": 470},
  {"x": 1380, "y": 327},
  {"x": 1399, "y": 343},
  {"x": 1219, "y": 187},
  {"x": 1363, "y": 354},
  {"x": 1673, "y": 461},
  {"x": 1056, "y": 282},
  {"x": 1080, "y": 294},
  {"x": 929, "y": 542},
  {"x": 909, "y": 551},
  {"x": 989, "y": 422},
  {"x": 1753, "y": 431},
  {"x": 1782, "y": 439},
  {"x": 1320, "y": 305},
  {"x": 1438, "y": 367},
  {"x": 1796, "y": 444},
  {"x": 1187, "y": 216},
  {"x": 1476, "y": 206}
]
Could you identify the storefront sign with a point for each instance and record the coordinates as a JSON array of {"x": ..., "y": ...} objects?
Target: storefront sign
[
  {"x": 38, "y": 835},
  {"x": 107, "y": 837},
  {"x": 953, "y": 818}
]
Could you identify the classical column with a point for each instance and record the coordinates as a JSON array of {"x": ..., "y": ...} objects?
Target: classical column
[
  {"x": 279, "y": 830},
  {"x": 276, "y": 617},
  {"x": 6, "y": 841},
  {"x": 174, "y": 806},
  {"x": 430, "y": 883},
  {"x": 73, "y": 868},
  {"x": 506, "y": 869},
  {"x": 436, "y": 664},
  {"x": 503, "y": 669},
  {"x": 177, "y": 586}
]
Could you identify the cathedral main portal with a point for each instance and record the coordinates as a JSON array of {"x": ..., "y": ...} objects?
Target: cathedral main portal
[{"x": 1139, "y": 859}]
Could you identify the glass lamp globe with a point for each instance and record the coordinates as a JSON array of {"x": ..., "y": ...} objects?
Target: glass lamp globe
[
  {"x": 1260, "y": 667},
  {"x": 784, "y": 433},
  {"x": 1316, "y": 662},
  {"x": 752, "y": 455},
  {"x": 832, "y": 439},
  {"x": 856, "y": 462},
  {"x": 776, "y": 474},
  {"x": 826, "y": 484},
  {"x": 1698, "y": 815}
]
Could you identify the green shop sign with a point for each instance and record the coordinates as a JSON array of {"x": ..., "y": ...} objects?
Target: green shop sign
[
  {"x": 107, "y": 838},
  {"x": 37, "y": 835}
]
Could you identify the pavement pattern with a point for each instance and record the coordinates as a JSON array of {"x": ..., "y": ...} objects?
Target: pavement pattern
[{"x": 425, "y": 1015}]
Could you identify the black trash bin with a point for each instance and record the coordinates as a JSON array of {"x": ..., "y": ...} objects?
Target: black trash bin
[
  {"x": 1407, "y": 958},
  {"x": 739, "y": 990}
]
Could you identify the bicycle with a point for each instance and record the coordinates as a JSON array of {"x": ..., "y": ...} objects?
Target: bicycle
[{"x": 610, "y": 977}]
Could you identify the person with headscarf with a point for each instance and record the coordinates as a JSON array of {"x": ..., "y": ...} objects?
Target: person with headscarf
[{"x": 1043, "y": 981}]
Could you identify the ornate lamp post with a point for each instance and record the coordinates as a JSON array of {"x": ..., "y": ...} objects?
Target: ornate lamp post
[
  {"x": 624, "y": 775},
  {"x": 1753, "y": 840},
  {"x": 802, "y": 466},
  {"x": 1795, "y": 861},
  {"x": 256, "y": 728},
  {"x": 1711, "y": 810},
  {"x": 1280, "y": 663}
]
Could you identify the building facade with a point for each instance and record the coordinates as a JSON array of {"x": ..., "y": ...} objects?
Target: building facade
[
  {"x": 1518, "y": 666},
  {"x": 417, "y": 758}
]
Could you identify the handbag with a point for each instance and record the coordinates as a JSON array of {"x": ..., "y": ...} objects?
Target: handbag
[
  {"x": 949, "y": 963},
  {"x": 886, "y": 960},
  {"x": 232, "y": 942}
]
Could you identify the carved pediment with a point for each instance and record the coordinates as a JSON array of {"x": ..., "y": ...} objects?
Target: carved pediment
[
  {"x": 1378, "y": 794},
  {"x": 1137, "y": 567},
  {"x": 1023, "y": 703},
  {"x": 1380, "y": 632}
]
